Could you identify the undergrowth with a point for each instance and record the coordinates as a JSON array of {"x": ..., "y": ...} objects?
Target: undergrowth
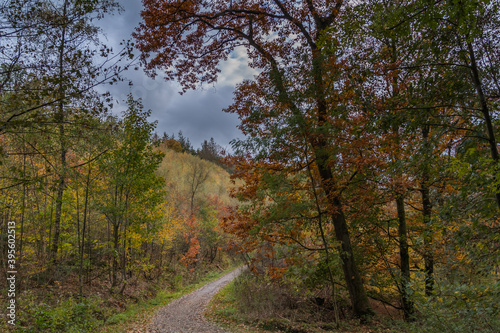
[
  {"x": 139, "y": 315},
  {"x": 58, "y": 308},
  {"x": 256, "y": 304}
]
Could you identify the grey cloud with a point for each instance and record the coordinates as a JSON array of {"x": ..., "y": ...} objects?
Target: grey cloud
[{"x": 198, "y": 114}]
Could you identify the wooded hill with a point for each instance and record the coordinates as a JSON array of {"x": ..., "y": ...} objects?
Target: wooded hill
[{"x": 132, "y": 216}]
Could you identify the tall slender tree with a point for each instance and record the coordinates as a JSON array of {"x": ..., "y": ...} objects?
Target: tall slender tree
[{"x": 281, "y": 39}]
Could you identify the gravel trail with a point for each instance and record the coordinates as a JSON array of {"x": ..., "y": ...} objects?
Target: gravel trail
[{"x": 185, "y": 315}]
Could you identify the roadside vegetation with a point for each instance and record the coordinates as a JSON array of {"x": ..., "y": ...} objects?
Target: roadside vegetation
[
  {"x": 253, "y": 304},
  {"x": 138, "y": 316}
]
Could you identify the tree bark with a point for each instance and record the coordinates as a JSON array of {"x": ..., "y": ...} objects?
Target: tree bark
[
  {"x": 84, "y": 226},
  {"x": 116, "y": 246},
  {"x": 404, "y": 258},
  {"x": 62, "y": 142},
  {"x": 320, "y": 144},
  {"x": 426, "y": 214},
  {"x": 352, "y": 276},
  {"x": 486, "y": 116}
]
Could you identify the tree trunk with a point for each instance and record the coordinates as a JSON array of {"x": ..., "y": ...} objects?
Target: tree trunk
[
  {"x": 60, "y": 117},
  {"x": 352, "y": 276},
  {"x": 330, "y": 273},
  {"x": 57, "y": 220},
  {"x": 84, "y": 226},
  {"x": 116, "y": 245},
  {"x": 486, "y": 116},
  {"x": 320, "y": 145},
  {"x": 427, "y": 212},
  {"x": 404, "y": 258}
]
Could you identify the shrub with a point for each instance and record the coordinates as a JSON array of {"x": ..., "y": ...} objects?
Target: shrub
[
  {"x": 459, "y": 308},
  {"x": 259, "y": 298},
  {"x": 69, "y": 316}
]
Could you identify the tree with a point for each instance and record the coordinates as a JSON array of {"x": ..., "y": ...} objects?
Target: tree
[
  {"x": 53, "y": 83},
  {"x": 32, "y": 35},
  {"x": 198, "y": 174},
  {"x": 210, "y": 151},
  {"x": 204, "y": 34},
  {"x": 185, "y": 143},
  {"x": 132, "y": 184},
  {"x": 461, "y": 42}
]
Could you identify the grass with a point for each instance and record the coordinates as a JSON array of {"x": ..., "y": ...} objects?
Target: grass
[
  {"x": 223, "y": 309},
  {"x": 138, "y": 316}
]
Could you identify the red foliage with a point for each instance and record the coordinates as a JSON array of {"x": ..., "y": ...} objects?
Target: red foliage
[{"x": 190, "y": 258}]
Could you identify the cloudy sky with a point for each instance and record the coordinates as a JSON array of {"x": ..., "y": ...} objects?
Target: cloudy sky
[{"x": 198, "y": 114}]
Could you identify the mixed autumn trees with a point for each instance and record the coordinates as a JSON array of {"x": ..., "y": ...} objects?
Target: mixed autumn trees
[
  {"x": 94, "y": 200},
  {"x": 48, "y": 94},
  {"x": 371, "y": 158},
  {"x": 282, "y": 40},
  {"x": 361, "y": 126}
]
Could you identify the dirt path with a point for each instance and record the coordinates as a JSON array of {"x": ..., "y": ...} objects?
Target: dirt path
[{"x": 185, "y": 315}]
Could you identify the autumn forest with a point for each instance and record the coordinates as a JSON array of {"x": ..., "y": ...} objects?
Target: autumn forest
[{"x": 363, "y": 195}]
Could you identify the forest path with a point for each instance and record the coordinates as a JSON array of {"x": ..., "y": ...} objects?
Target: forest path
[{"x": 185, "y": 315}]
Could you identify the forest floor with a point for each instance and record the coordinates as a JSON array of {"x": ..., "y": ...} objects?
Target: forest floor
[{"x": 186, "y": 314}]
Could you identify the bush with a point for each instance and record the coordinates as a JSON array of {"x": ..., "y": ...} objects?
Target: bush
[
  {"x": 70, "y": 316},
  {"x": 459, "y": 308},
  {"x": 259, "y": 298}
]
